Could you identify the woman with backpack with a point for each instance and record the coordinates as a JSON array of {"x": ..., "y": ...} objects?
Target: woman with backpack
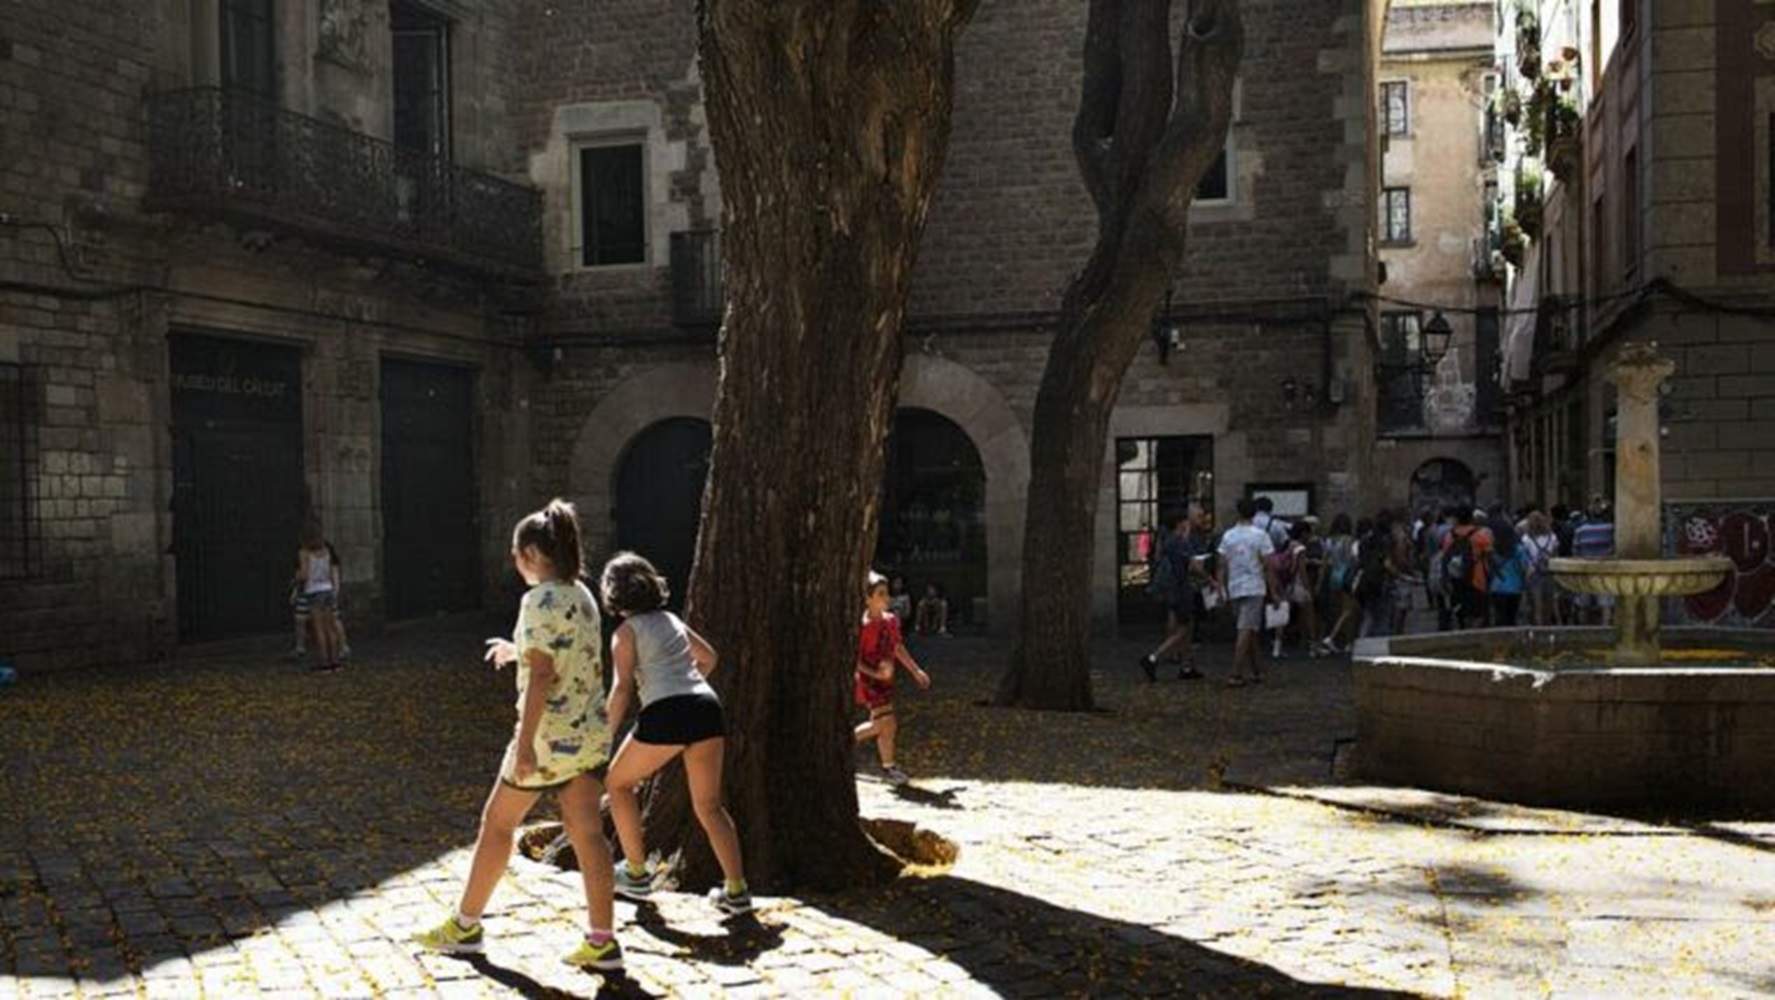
[
  {"x": 1509, "y": 571},
  {"x": 1466, "y": 554},
  {"x": 1340, "y": 575},
  {"x": 1542, "y": 545}
]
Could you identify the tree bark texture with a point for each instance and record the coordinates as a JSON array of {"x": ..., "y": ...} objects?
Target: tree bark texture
[
  {"x": 1151, "y": 122},
  {"x": 829, "y": 120}
]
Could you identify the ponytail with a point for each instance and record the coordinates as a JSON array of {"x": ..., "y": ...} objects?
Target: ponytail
[{"x": 554, "y": 532}]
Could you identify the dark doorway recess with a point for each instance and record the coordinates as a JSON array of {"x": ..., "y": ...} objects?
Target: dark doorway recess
[
  {"x": 933, "y": 511},
  {"x": 237, "y": 483},
  {"x": 430, "y": 520},
  {"x": 659, "y": 496}
]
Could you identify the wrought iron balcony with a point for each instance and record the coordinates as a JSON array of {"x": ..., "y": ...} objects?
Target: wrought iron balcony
[
  {"x": 696, "y": 278},
  {"x": 238, "y": 156}
]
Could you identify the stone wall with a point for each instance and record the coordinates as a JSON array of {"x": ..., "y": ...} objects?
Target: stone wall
[{"x": 92, "y": 336}]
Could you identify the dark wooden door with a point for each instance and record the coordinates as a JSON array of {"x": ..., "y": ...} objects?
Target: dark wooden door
[
  {"x": 659, "y": 497},
  {"x": 237, "y": 484},
  {"x": 430, "y": 530}
]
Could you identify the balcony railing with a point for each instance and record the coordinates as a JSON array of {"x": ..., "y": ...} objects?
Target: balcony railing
[
  {"x": 237, "y": 155},
  {"x": 696, "y": 278}
]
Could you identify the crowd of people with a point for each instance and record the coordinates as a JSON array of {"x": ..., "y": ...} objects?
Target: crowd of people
[{"x": 1316, "y": 592}]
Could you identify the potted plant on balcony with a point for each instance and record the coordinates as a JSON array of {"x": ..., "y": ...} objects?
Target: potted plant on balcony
[
  {"x": 1527, "y": 210},
  {"x": 1514, "y": 244},
  {"x": 1510, "y": 106},
  {"x": 1564, "y": 139}
]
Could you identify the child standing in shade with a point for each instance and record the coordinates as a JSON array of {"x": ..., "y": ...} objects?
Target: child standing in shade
[
  {"x": 880, "y": 649},
  {"x": 317, "y": 581},
  {"x": 665, "y": 664},
  {"x": 560, "y": 743}
]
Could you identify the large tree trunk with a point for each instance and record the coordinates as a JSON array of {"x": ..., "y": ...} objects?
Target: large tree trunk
[
  {"x": 829, "y": 120},
  {"x": 1147, "y": 129}
]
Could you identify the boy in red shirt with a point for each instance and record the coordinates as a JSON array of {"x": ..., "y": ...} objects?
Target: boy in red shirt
[{"x": 879, "y": 648}]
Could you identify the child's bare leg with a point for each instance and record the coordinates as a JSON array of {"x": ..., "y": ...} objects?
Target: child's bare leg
[
  {"x": 585, "y": 830},
  {"x": 702, "y": 768},
  {"x": 886, "y": 728},
  {"x": 302, "y": 633},
  {"x": 634, "y": 762},
  {"x": 506, "y": 807}
]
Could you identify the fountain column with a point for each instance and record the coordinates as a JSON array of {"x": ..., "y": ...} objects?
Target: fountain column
[{"x": 1638, "y": 373}]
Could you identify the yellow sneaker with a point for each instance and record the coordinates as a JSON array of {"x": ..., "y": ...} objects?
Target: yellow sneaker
[
  {"x": 450, "y": 938},
  {"x": 606, "y": 957}
]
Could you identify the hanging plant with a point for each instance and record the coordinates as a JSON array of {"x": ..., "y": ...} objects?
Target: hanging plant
[
  {"x": 1565, "y": 144},
  {"x": 1510, "y": 106},
  {"x": 1514, "y": 243},
  {"x": 1527, "y": 210}
]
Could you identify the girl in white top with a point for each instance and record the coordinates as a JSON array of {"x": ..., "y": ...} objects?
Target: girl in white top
[
  {"x": 665, "y": 663},
  {"x": 318, "y": 577}
]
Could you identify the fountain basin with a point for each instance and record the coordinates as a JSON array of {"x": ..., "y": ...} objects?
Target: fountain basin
[
  {"x": 1641, "y": 577},
  {"x": 1537, "y": 716}
]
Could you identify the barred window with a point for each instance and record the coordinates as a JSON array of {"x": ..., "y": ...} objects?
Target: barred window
[
  {"x": 1396, "y": 215},
  {"x": 20, "y": 538},
  {"x": 1396, "y": 108}
]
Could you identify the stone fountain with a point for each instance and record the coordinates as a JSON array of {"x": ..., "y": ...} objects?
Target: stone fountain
[
  {"x": 1634, "y": 717},
  {"x": 1639, "y": 576}
]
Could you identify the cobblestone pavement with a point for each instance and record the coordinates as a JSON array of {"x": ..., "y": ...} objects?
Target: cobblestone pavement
[{"x": 236, "y": 828}]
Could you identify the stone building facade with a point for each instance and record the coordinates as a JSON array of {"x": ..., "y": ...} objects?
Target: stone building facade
[
  {"x": 1441, "y": 418},
  {"x": 242, "y": 283},
  {"x": 1269, "y": 388},
  {"x": 1662, "y": 233},
  {"x": 412, "y": 267}
]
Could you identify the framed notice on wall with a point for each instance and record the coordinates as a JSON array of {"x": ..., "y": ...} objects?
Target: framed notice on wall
[{"x": 1291, "y": 499}]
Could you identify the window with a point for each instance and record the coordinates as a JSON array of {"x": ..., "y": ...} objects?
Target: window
[
  {"x": 19, "y": 538},
  {"x": 1216, "y": 184},
  {"x": 421, "y": 80},
  {"x": 1154, "y": 477},
  {"x": 1396, "y": 215},
  {"x": 1396, "y": 108},
  {"x": 1402, "y": 382},
  {"x": 612, "y": 205},
  {"x": 1599, "y": 219},
  {"x": 1630, "y": 217},
  {"x": 249, "y": 59}
]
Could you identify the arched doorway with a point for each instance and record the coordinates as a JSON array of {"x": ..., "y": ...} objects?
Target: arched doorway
[
  {"x": 659, "y": 496},
  {"x": 933, "y": 511},
  {"x": 1442, "y": 482}
]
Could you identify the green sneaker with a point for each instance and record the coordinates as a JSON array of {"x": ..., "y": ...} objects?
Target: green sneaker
[
  {"x": 606, "y": 957},
  {"x": 635, "y": 888},
  {"x": 451, "y": 938}
]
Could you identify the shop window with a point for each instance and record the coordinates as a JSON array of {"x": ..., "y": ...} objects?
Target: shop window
[{"x": 1155, "y": 476}]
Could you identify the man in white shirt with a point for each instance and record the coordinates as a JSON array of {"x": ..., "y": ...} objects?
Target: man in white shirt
[{"x": 1244, "y": 575}]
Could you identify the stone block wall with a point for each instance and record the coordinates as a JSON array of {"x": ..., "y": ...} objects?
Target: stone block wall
[{"x": 101, "y": 584}]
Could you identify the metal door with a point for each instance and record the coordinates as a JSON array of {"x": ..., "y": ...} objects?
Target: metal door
[
  {"x": 430, "y": 529},
  {"x": 237, "y": 484},
  {"x": 659, "y": 497}
]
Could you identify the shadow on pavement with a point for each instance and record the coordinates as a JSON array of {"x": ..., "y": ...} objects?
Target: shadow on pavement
[
  {"x": 612, "y": 985},
  {"x": 743, "y": 938},
  {"x": 1020, "y": 945}
]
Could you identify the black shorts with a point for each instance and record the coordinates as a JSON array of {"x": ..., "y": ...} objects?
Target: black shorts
[
  {"x": 1187, "y": 607},
  {"x": 681, "y": 720}
]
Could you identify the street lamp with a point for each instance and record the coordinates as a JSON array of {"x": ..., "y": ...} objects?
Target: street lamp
[{"x": 1438, "y": 335}]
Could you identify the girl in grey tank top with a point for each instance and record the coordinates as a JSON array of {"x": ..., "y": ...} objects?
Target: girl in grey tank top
[
  {"x": 662, "y": 663},
  {"x": 664, "y": 667}
]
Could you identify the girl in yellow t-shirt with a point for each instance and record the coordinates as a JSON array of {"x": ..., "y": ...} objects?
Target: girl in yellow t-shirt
[{"x": 561, "y": 742}]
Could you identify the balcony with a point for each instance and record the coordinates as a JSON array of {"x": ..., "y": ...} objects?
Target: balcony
[
  {"x": 696, "y": 278},
  {"x": 241, "y": 158}
]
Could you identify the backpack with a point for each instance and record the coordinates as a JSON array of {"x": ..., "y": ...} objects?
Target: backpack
[
  {"x": 1161, "y": 580},
  {"x": 1371, "y": 572},
  {"x": 1457, "y": 566},
  {"x": 1283, "y": 564}
]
